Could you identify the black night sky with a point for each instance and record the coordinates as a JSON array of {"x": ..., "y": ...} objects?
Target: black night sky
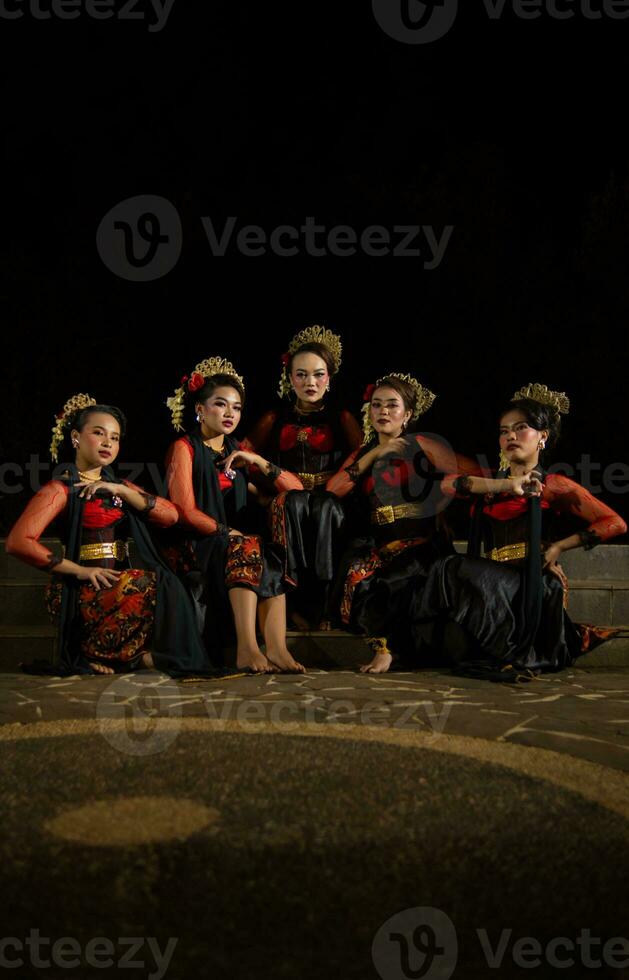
[{"x": 511, "y": 130}]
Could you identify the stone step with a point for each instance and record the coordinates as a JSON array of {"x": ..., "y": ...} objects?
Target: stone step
[
  {"x": 25, "y": 643},
  {"x": 599, "y": 602},
  {"x": 13, "y": 568},
  {"x": 606, "y": 562},
  {"x": 22, "y": 602},
  {"x": 317, "y": 650}
]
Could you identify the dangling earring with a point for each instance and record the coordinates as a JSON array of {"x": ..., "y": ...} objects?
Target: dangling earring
[
  {"x": 404, "y": 424},
  {"x": 199, "y": 417},
  {"x": 75, "y": 443},
  {"x": 327, "y": 387},
  {"x": 541, "y": 444}
]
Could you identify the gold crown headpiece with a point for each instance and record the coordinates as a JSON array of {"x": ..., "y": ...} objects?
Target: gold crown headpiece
[
  {"x": 311, "y": 335},
  {"x": 203, "y": 371},
  {"x": 423, "y": 400},
  {"x": 540, "y": 393},
  {"x": 71, "y": 407}
]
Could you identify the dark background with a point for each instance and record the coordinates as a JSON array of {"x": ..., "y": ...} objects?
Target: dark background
[{"x": 513, "y": 131}]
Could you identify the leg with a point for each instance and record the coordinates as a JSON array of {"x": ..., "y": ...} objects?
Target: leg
[
  {"x": 273, "y": 624},
  {"x": 383, "y": 658},
  {"x": 244, "y": 603}
]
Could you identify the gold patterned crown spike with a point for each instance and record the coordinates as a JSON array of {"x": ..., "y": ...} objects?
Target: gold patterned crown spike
[
  {"x": 423, "y": 400},
  {"x": 540, "y": 393},
  {"x": 204, "y": 370},
  {"x": 71, "y": 407},
  {"x": 311, "y": 335}
]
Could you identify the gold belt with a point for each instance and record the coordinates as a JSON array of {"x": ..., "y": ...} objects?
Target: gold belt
[
  {"x": 388, "y": 514},
  {"x": 104, "y": 549},
  {"x": 509, "y": 552},
  {"x": 312, "y": 480}
]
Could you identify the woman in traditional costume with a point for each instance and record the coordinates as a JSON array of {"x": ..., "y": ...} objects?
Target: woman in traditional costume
[
  {"x": 210, "y": 478},
  {"x": 510, "y": 606},
  {"x": 112, "y": 616},
  {"x": 309, "y": 436},
  {"x": 404, "y": 482}
]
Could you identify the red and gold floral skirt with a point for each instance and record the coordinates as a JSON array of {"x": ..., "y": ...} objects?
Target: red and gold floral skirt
[
  {"x": 116, "y": 623},
  {"x": 245, "y": 562}
]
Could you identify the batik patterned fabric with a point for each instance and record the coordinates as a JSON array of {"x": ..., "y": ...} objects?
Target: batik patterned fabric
[
  {"x": 116, "y": 623},
  {"x": 363, "y": 568},
  {"x": 245, "y": 562}
]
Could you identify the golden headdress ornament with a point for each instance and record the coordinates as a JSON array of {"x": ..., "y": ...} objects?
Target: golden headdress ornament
[
  {"x": 311, "y": 335},
  {"x": 423, "y": 400},
  {"x": 71, "y": 407},
  {"x": 540, "y": 393},
  {"x": 189, "y": 384}
]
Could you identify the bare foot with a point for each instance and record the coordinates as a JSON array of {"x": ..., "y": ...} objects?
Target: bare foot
[
  {"x": 100, "y": 668},
  {"x": 147, "y": 660},
  {"x": 255, "y": 661},
  {"x": 379, "y": 665},
  {"x": 285, "y": 663}
]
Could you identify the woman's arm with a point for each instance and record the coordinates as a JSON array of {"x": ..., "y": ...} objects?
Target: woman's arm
[
  {"x": 350, "y": 472},
  {"x": 158, "y": 510},
  {"x": 566, "y": 496},
  {"x": 281, "y": 479},
  {"x": 23, "y": 540},
  {"x": 181, "y": 491}
]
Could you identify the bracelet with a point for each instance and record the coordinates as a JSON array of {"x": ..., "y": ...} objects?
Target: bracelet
[
  {"x": 589, "y": 539},
  {"x": 463, "y": 485},
  {"x": 353, "y": 472},
  {"x": 274, "y": 472},
  {"x": 150, "y": 502},
  {"x": 222, "y": 529}
]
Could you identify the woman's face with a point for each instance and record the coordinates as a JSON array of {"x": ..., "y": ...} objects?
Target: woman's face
[
  {"x": 388, "y": 413},
  {"x": 519, "y": 441},
  {"x": 309, "y": 377},
  {"x": 220, "y": 413},
  {"x": 98, "y": 442}
]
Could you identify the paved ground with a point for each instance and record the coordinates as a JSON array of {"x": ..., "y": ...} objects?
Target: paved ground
[{"x": 289, "y": 826}]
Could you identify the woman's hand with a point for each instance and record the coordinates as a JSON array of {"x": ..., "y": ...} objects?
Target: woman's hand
[
  {"x": 551, "y": 555},
  {"x": 98, "y": 577},
  {"x": 395, "y": 447},
  {"x": 240, "y": 457},
  {"x": 89, "y": 488},
  {"x": 528, "y": 485}
]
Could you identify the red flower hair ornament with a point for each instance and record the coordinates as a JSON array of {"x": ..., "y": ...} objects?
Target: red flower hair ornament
[{"x": 196, "y": 381}]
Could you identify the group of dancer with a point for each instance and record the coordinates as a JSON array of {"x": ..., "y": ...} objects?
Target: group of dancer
[{"x": 345, "y": 523}]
